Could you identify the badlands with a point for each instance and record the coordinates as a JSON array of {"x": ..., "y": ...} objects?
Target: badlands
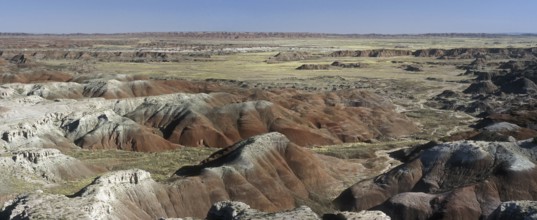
[{"x": 268, "y": 126}]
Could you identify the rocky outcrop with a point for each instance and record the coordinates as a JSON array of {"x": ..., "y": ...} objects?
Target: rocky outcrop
[
  {"x": 313, "y": 67},
  {"x": 520, "y": 85},
  {"x": 28, "y": 169},
  {"x": 106, "y": 56},
  {"x": 429, "y": 52},
  {"x": 42, "y": 166},
  {"x": 335, "y": 64},
  {"x": 451, "y": 180},
  {"x": 412, "y": 68},
  {"x": 291, "y": 56},
  {"x": 483, "y": 76},
  {"x": 346, "y": 65},
  {"x": 107, "y": 130},
  {"x": 481, "y": 87},
  {"x": 229, "y": 210},
  {"x": 516, "y": 65},
  {"x": 479, "y": 54},
  {"x": 516, "y": 210},
  {"x": 366, "y": 215},
  {"x": 479, "y": 64},
  {"x": 66, "y": 124},
  {"x": 30, "y": 125},
  {"x": 495, "y": 92},
  {"x": 456, "y": 53},
  {"x": 371, "y": 53},
  {"x": 18, "y": 59},
  {"x": 470, "y": 53},
  {"x": 103, "y": 199},
  {"x": 267, "y": 172},
  {"x": 501, "y": 131}
]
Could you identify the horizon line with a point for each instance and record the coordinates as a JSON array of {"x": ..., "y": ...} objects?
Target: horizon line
[{"x": 276, "y": 32}]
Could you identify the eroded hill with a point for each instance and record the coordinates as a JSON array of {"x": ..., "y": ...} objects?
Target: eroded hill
[{"x": 340, "y": 138}]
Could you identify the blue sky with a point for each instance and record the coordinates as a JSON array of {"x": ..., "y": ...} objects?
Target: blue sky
[{"x": 327, "y": 16}]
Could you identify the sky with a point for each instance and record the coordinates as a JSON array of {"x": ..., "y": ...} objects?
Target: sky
[{"x": 316, "y": 16}]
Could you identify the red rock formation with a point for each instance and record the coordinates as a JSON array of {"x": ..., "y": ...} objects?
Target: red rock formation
[
  {"x": 34, "y": 76},
  {"x": 267, "y": 172},
  {"x": 459, "y": 180},
  {"x": 220, "y": 119}
]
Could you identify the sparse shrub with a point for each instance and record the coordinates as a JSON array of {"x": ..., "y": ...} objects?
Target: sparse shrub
[{"x": 20, "y": 91}]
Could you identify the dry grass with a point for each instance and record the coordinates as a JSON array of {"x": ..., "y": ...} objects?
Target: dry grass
[
  {"x": 251, "y": 66},
  {"x": 69, "y": 187},
  {"x": 363, "y": 150},
  {"x": 161, "y": 165},
  {"x": 437, "y": 124}
]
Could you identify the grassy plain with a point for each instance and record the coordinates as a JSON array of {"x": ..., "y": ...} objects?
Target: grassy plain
[{"x": 252, "y": 66}]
